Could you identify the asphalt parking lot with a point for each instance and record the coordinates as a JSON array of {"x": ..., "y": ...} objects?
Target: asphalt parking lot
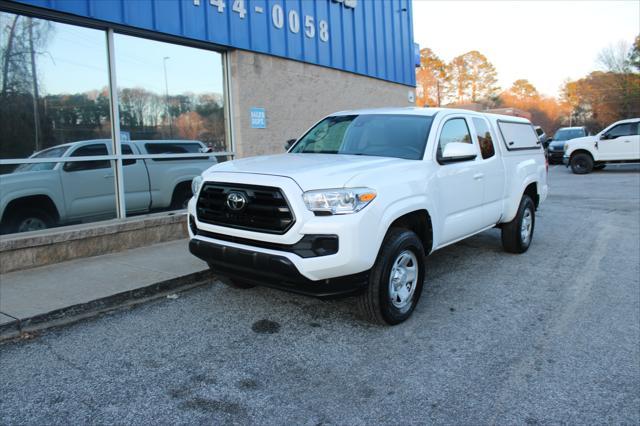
[{"x": 551, "y": 336}]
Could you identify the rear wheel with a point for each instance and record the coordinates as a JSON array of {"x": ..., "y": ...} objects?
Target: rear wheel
[
  {"x": 581, "y": 164},
  {"x": 396, "y": 280},
  {"x": 517, "y": 234}
]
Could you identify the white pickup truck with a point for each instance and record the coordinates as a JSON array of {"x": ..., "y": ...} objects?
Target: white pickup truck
[
  {"x": 41, "y": 195},
  {"x": 363, "y": 197},
  {"x": 617, "y": 143}
]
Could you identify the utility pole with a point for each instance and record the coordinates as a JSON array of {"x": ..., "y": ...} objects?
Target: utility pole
[
  {"x": 166, "y": 95},
  {"x": 34, "y": 77}
]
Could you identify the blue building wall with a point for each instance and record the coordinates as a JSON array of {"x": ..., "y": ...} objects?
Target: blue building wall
[{"x": 374, "y": 38}]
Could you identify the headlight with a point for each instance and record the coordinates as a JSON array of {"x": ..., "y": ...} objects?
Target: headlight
[
  {"x": 196, "y": 183},
  {"x": 338, "y": 201}
]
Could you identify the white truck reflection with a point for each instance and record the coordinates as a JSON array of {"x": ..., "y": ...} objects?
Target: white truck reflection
[{"x": 42, "y": 195}]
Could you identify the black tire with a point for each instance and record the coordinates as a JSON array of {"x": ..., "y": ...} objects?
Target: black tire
[
  {"x": 599, "y": 166},
  {"x": 181, "y": 196},
  {"x": 376, "y": 301},
  {"x": 27, "y": 219},
  {"x": 581, "y": 164},
  {"x": 512, "y": 238}
]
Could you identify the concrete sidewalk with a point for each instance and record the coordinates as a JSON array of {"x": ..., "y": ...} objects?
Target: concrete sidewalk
[{"x": 56, "y": 294}]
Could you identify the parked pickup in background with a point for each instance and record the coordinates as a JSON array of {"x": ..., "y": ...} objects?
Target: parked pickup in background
[
  {"x": 618, "y": 143},
  {"x": 555, "y": 146},
  {"x": 41, "y": 195},
  {"x": 363, "y": 197}
]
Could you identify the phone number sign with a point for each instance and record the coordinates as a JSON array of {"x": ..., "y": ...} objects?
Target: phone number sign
[{"x": 293, "y": 22}]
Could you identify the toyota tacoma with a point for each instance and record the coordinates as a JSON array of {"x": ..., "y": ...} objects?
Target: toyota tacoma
[{"x": 360, "y": 200}]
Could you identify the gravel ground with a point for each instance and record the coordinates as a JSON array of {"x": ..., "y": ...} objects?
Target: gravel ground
[{"x": 548, "y": 337}]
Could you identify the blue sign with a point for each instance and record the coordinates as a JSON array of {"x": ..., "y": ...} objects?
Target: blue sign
[
  {"x": 370, "y": 37},
  {"x": 258, "y": 118}
]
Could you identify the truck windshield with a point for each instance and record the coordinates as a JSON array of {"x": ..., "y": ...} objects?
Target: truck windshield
[
  {"x": 380, "y": 135},
  {"x": 47, "y": 153},
  {"x": 566, "y": 134}
]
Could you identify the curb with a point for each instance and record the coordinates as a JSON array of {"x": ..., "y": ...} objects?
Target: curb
[{"x": 74, "y": 313}]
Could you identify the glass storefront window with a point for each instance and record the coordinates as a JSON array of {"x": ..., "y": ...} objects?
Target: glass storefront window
[
  {"x": 171, "y": 101},
  {"x": 54, "y": 102},
  {"x": 55, "y": 105}
]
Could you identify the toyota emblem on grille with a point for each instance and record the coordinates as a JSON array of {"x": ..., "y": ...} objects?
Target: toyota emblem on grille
[{"x": 236, "y": 201}]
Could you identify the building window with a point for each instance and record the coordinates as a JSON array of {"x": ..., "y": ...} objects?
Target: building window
[{"x": 55, "y": 116}]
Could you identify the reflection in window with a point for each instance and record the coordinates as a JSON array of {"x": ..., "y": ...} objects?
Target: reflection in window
[
  {"x": 170, "y": 92},
  {"x": 53, "y": 85},
  {"x": 484, "y": 138},
  {"x": 454, "y": 130}
]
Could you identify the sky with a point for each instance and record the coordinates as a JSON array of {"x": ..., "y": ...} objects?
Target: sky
[
  {"x": 77, "y": 62},
  {"x": 545, "y": 42}
]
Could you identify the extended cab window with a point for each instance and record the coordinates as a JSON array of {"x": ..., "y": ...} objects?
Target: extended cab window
[
  {"x": 484, "y": 138},
  {"x": 454, "y": 130},
  {"x": 624, "y": 129},
  {"x": 379, "y": 135},
  {"x": 88, "y": 151},
  {"x": 126, "y": 150}
]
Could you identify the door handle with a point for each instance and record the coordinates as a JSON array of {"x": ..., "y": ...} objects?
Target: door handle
[
  {"x": 627, "y": 141},
  {"x": 107, "y": 176},
  {"x": 478, "y": 176}
]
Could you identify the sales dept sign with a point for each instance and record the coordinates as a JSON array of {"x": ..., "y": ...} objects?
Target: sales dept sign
[
  {"x": 258, "y": 118},
  {"x": 293, "y": 21}
]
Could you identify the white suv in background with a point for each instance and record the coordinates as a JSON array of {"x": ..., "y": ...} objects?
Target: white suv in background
[{"x": 618, "y": 143}]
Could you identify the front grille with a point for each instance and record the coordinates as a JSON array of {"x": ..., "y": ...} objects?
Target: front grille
[{"x": 266, "y": 209}]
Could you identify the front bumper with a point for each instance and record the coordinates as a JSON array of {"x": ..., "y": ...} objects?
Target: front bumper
[
  {"x": 271, "y": 270},
  {"x": 555, "y": 156},
  {"x": 358, "y": 235}
]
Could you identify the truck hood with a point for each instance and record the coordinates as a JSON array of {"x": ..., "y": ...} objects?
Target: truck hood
[
  {"x": 585, "y": 140},
  {"x": 310, "y": 171}
]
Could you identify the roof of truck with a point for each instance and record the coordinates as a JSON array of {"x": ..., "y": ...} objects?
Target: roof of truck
[{"x": 427, "y": 112}]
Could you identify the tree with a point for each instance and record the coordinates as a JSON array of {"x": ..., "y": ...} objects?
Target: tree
[
  {"x": 430, "y": 79},
  {"x": 615, "y": 58},
  {"x": 523, "y": 91},
  {"x": 605, "y": 97},
  {"x": 471, "y": 78},
  {"x": 634, "y": 54}
]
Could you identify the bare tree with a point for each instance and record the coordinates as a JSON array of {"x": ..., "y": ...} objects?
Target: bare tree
[{"x": 615, "y": 58}]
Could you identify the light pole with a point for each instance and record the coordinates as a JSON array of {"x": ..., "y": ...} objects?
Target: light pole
[{"x": 166, "y": 94}]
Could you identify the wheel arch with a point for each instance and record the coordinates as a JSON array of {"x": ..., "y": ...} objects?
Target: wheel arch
[
  {"x": 39, "y": 201},
  {"x": 581, "y": 151},
  {"x": 418, "y": 221}
]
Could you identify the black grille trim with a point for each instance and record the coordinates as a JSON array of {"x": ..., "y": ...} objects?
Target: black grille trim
[
  {"x": 267, "y": 209},
  {"x": 311, "y": 245}
]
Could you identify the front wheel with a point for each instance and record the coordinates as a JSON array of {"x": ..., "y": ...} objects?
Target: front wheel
[
  {"x": 517, "y": 234},
  {"x": 396, "y": 279},
  {"x": 581, "y": 164},
  {"x": 27, "y": 220}
]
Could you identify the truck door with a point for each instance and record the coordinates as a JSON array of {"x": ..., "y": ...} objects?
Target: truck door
[
  {"x": 88, "y": 186},
  {"x": 460, "y": 185},
  {"x": 136, "y": 183},
  {"x": 620, "y": 142},
  {"x": 492, "y": 169}
]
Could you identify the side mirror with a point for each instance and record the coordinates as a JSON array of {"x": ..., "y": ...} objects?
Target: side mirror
[
  {"x": 289, "y": 144},
  {"x": 458, "y": 151},
  {"x": 549, "y": 140},
  {"x": 603, "y": 137}
]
